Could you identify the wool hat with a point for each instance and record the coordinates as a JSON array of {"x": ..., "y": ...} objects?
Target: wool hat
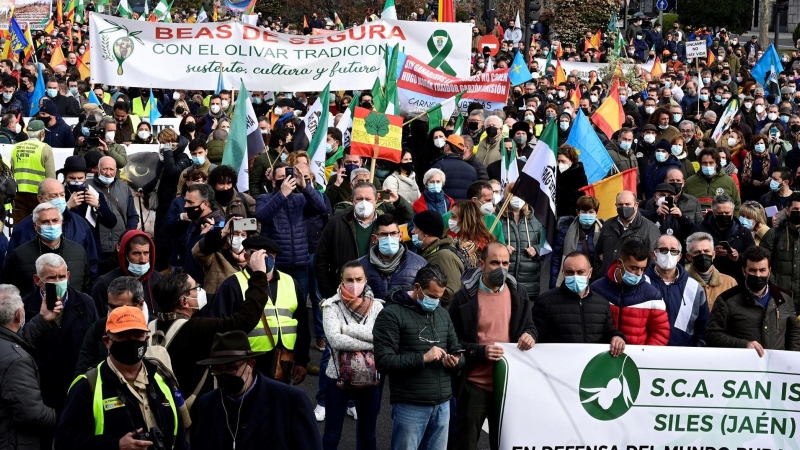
[{"x": 430, "y": 222}]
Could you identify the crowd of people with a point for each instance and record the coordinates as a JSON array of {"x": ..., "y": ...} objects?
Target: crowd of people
[{"x": 192, "y": 333}]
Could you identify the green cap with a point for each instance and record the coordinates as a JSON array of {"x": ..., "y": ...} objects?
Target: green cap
[{"x": 35, "y": 125}]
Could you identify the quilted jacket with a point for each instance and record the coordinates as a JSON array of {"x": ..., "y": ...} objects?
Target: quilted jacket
[
  {"x": 402, "y": 276},
  {"x": 687, "y": 307},
  {"x": 639, "y": 311}
]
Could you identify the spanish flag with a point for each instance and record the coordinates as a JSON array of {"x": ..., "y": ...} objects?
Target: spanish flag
[
  {"x": 29, "y": 50},
  {"x": 83, "y": 69},
  {"x": 305, "y": 21},
  {"x": 711, "y": 58},
  {"x": 58, "y": 57},
  {"x": 49, "y": 27},
  {"x": 446, "y": 11},
  {"x": 559, "y": 52},
  {"x": 560, "y": 76},
  {"x": 59, "y": 12},
  {"x": 606, "y": 190},
  {"x": 610, "y": 116},
  {"x": 576, "y": 96},
  {"x": 656, "y": 71},
  {"x": 595, "y": 41}
]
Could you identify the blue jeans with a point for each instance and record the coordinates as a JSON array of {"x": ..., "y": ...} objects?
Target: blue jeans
[
  {"x": 367, "y": 406},
  {"x": 316, "y": 299},
  {"x": 300, "y": 276},
  {"x": 419, "y": 426}
]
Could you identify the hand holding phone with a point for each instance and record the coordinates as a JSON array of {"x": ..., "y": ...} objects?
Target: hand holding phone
[
  {"x": 725, "y": 245},
  {"x": 50, "y": 295}
]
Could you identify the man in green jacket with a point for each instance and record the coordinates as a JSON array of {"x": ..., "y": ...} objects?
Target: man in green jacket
[
  {"x": 416, "y": 345},
  {"x": 783, "y": 244},
  {"x": 711, "y": 181},
  {"x": 427, "y": 238}
]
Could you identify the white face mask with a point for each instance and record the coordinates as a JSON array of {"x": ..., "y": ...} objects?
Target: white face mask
[
  {"x": 649, "y": 110},
  {"x": 487, "y": 208},
  {"x": 517, "y": 203},
  {"x": 236, "y": 244},
  {"x": 496, "y": 198},
  {"x": 225, "y": 104},
  {"x": 143, "y": 135},
  {"x": 732, "y": 141},
  {"x": 562, "y": 167},
  {"x": 214, "y": 108},
  {"x": 453, "y": 225},
  {"x": 668, "y": 261},
  {"x": 201, "y": 300},
  {"x": 110, "y": 136},
  {"x": 364, "y": 209},
  {"x": 439, "y": 143},
  {"x": 649, "y": 138},
  {"x": 759, "y": 109},
  {"x": 17, "y": 128}
]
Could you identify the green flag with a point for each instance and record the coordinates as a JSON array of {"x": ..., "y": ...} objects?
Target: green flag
[
  {"x": 440, "y": 114},
  {"x": 316, "y": 148},
  {"x": 392, "y": 102},
  {"x": 549, "y": 61},
  {"x": 378, "y": 99}
]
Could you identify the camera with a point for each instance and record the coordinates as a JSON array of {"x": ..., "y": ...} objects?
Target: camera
[
  {"x": 93, "y": 139},
  {"x": 155, "y": 436}
]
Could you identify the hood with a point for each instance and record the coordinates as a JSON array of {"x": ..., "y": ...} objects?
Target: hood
[
  {"x": 123, "y": 244},
  {"x": 613, "y": 267},
  {"x": 399, "y": 295}
]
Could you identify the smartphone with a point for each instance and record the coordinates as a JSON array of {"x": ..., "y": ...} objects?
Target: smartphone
[
  {"x": 725, "y": 245},
  {"x": 669, "y": 201},
  {"x": 457, "y": 352},
  {"x": 50, "y": 295},
  {"x": 289, "y": 172},
  {"x": 219, "y": 222},
  {"x": 385, "y": 195},
  {"x": 244, "y": 225}
]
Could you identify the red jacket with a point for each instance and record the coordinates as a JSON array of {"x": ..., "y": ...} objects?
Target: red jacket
[{"x": 638, "y": 311}]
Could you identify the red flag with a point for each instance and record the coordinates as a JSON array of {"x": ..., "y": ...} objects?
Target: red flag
[
  {"x": 610, "y": 116},
  {"x": 606, "y": 191}
]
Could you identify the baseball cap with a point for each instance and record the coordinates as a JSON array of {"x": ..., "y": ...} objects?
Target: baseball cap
[
  {"x": 456, "y": 140},
  {"x": 125, "y": 318}
]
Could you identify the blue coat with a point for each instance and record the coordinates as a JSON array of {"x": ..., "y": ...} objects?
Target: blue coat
[
  {"x": 59, "y": 135},
  {"x": 402, "y": 276},
  {"x": 280, "y": 415},
  {"x": 460, "y": 175},
  {"x": 656, "y": 172},
  {"x": 176, "y": 231},
  {"x": 687, "y": 307},
  {"x": 74, "y": 227},
  {"x": 284, "y": 221}
]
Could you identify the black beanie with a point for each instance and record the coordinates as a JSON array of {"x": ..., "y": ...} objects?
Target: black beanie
[{"x": 430, "y": 222}]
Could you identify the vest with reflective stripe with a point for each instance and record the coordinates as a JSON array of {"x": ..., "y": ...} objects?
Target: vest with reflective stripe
[
  {"x": 140, "y": 110},
  {"x": 280, "y": 315},
  {"x": 97, "y": 401},
  {"x": 28, "y": 168}
]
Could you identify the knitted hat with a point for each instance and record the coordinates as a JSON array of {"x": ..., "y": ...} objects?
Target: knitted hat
[
  {"x": 664, "y": 145},
  {"x": 521, "y": 126},
  {"x": 430, "y": 222}
]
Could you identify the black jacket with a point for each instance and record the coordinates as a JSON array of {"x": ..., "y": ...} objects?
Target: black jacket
[
  {"x": 93, "y": 350},
  {"x": 464, "y": 314},
  {"x": 23, "y": 414},
  {"x": 567, "y": 184},
  {"x": 562, "y": 316},
  {"x": 20, "y": 265},
  {"x": 737, "y": 236},
  {"x": 460, "y": 175},
  {"x": 57, "y": 350},
  {"x": 336, "y": 247},
  {"x": 272, "y": 412}
]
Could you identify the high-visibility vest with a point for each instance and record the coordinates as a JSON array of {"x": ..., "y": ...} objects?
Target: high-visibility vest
[
  {"x": 98, "y": 401},
  {"x": 140, "y": 110},
  {"x": 280, "y": 315},
  {"x": 28, "y": 168}
]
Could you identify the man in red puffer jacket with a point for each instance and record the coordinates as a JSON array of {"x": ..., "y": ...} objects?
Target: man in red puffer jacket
[{"x": 637, "y": 307}]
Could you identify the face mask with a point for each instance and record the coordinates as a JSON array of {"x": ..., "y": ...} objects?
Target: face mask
[
  {"x": 416, "y": 240},
  {"x": 649, "y": 138},
  {"x": 439, "y": 143},
  {"x": 223, "y": 197},
  {"x": 756, "y": 283},
  {"x": 7, "y": 96},
  {"x": 73, "y": 91},
  {"x": 129, "y": 352},
  {"x": 759, "y": 109},
  {"x": 732, "y": 141},
  {"x": 110, "y": 136},
  {"x": 748, "y": 105},
  {"x": 677, "y": 149},
  {"x": 105, "y": 180},
  {"x": 60, "y": 203},
  {"x": 562, "y": 94},
  {"x": 257, "y": 100},
  {"x": 702, "y": 262},
  {"x": 718, "y": 98},
  {"x": 453, "y": 225},
  {"x": 785, "y": 119},
  {"x": 487, "y": 208},
  {"x": 61, "y": 288},
  {"x": 496, "y": 198},
  {"x": 774, "y": 185},
  {"x": 354, "y": 288},
  {"x": 709, "y": 171},
  {"x": 747, "y": 223},
  {"x": 428, "y": 304},
  {"x": 649, "y": 109},
  {"x": 214, "y": 109},
  {"x": 481, "y": 65},
  {"x": 52, "y": 92},
  {"x": 225, "y": 104},
  {"x": 473, "y": 126},
  {"x": 75, "y": 186},
  {"x": 517, "y": 203},
  {"x": 236, "y": 244},
  {"x": 678, "y": 187},
  {"x": 17, "y": 128},
  {"x": 176, "y": 95},
  {"x": 179, "y": 110},
  {"x": 668, "y": 261},
  {"x": 674, "y": 58},
  {"x": 138, "y": 270},
  {"x": 491, "y": 132},
  {"x": 520, "y": 141},
  {"x": 564, "y": 126},
  {"x": 723, "y": 221},
  {"x": 661, "y": 156},
  {"x": 143, "y": 135},
  {"x": 201, "y": 299},
  {"x": 231, "y": 384},
  {"x": 676, "y": 118},
  {"x": 623, "y": 99},
  {"x": 576, "y": 283},
  {"x": 193, "y": 212},
  {"x": 388, "y": 245},
  {"x": 772, "y": 116},
  {"x": 703, "y": 97},
  {"x": 794, "y": 217},
  {"x": 562, "y": 167},
  {"x": 364, "y": 209},
  {"x": 498, "y": 276},
  {"x": 190, "y": 126},
  {"x": 587, "y": 220},
  {"x": 198, "y": 160},
  {"x": 626, "y": 212},
  {"x": 629, "y": 278},
  {"x": 625, "y": 145},
  {"x": 434, "y": 188},
  {"x": 668, "y": 84}
]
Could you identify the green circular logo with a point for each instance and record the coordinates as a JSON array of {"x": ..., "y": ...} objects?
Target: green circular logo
[{"x": 609, "y": 386}]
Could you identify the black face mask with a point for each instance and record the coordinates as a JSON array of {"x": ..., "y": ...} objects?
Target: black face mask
[
  {"x": 702, "y": 262},
  {"x": 128, "y": 352},
  {"x": 626, "y": 212},
  {"x": 491, "y": 132},
  {"x": 678, "y": 188},
  {"x": 408, "y": 167},
  {"x": 179, "y": 110},
  {"x": 723, "y": 221},
  {"x": 795, "y": 128},
  {"x": 498, "y": 276},
  {"x": 193, "y": 212},
  {"x": 190, "y": 126},
  {"x": 473, "y": 126},
  {"x": 223, "y": 197},
  {"x": 755, "y": 283},
  {"x": 230, "y": 384},
  {"x": 794, "y": 217}
]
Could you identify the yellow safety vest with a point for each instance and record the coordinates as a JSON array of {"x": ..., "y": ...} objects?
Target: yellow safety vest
[
  {"x": 279, "y": 315},
  {"x": 98, "y": 401},
  {"x": 140, "y": 110},
  {"x": 28, "y": 168}
]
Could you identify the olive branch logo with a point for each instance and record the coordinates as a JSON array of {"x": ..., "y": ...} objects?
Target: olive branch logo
[
  {"x": 122, "y": 47},
  {"x": 609, "y": 386}
]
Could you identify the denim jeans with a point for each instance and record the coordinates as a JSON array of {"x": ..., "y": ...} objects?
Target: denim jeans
[
  {"x": 419, "y": 426},
  {"x": 316, "y": 299},
  {"x": 300, "y": 276},
  {"x": 367, "y": 406}
]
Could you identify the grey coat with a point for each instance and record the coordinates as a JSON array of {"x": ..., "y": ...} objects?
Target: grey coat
[
  {"x": 524, "y": 268},
  {"x": 109, "y": 237}
]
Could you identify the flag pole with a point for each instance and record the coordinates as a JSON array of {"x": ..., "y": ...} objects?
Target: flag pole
[
  {"x": 414, "y": 118},
  {"x": 375, "y": 151},
  {"x": 502, "y": 209}
]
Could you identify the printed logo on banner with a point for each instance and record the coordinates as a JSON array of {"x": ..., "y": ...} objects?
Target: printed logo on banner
[
  {"x": 122, "y": 47},
  {"x": 609, "y": 386},
  {"x": 440, "y": 45}
]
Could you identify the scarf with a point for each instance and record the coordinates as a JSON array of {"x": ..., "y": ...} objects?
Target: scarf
[
  {"x": 747, "y": 166},
  {"x": 436, "y": 202},
  {"x": 358, "y": 307},
  {"x": 382, "y": 266}
]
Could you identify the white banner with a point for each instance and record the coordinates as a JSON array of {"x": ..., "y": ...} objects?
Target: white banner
[
  {"x": 190, "y": 56},
  {"x": 696, "y": 49},
  {"x": 579, "y": 397}
]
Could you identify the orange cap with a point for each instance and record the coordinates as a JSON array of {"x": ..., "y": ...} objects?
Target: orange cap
[
  {"x": 456, "y": 140},
  {"x": 126, "y": 318}
]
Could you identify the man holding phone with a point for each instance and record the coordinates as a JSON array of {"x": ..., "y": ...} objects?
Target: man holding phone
[
  {"x": 668, "y": 216},
  {"x": 730, "y": 237}
]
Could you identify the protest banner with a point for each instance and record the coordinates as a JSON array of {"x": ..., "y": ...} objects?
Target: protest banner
[
  {"x": 421, "y": 87},
  {"x": 190, "y": 56},
  {"x": 696, "y": 49},
  {"x": 647, "y": 398},
  {"x": 33, "y": 12}
]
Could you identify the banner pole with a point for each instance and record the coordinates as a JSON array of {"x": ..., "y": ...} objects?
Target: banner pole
[
  {"x": 374, "y": 158},
  {"x": 500, "y": 213},
  {"x": 414, "y": 118}
]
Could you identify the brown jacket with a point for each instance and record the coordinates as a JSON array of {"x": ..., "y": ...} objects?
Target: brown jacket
[
  {"x": 718, "y": 284},
  {"x": 213, "y": 253}
]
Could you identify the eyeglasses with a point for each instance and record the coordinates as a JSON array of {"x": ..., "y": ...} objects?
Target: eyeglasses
[
  {"x": 428, "y": 340},
  {"x": 197, "y": 288},
  {"x": 671, "y": 251},
  {"x": 394, "y": 234},
  {"x": 226, "y": 369}
]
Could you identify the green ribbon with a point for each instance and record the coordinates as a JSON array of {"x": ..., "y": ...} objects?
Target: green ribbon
[{"x": 439, "y": 56}]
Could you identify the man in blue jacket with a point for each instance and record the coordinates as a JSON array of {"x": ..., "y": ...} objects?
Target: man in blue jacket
[
  {"x": 687, "y": 307},
  {"x": 284, "y": 219},
  {"x": 389, "y": 264},
  {"x": 57, "y": 133}
]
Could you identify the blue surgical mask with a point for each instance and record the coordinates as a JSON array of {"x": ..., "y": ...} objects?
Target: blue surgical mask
[
  {"x": 624, "y": 145},
  {"x": 677, "y": 149},
  {"x": 703, "y": 97},
  {"x": 85, "y": 131},
  {"x": 587, "y": 220},
  {"x": 328, "y": 148},
  {"x": 284, "y": 157},
  {"x": 435, "y": 188},
  {"x": 52, "y": 92},
  {"x": 563, "y": 126},
  {"x": 623, "y": 99},
  {"x": 388, "y": 245},
  {"x": 661, "y": 156},
  {"x": 61, "y": 288},
  {"x": 709, "y": 171},
  {"x": 257, "y": 100},
  {"x": 785, "y": 119},
  {"x": 576, "y": 283},
  {"x": 629, "y": 278},
  {"x": 198, "y": 160},
  {"x": 7, "y": 96},
  {"x": 50, "y": 233},
  {"x": 270, "y": 261},
  {"x": 760, "y": 148},
  {"x": 774, "y": 185},
  {"x": 747, "y": 223},
  {"x": 60, "y": 203},
  {"x": 676, "y": 118},
  {"x": 138, "y": 270},
  {"x": 73, "y": 91},
  {"x": 416, "y": 240},
  {"x": 427, "y": 303},
  {"x": 105, "y": 180}
]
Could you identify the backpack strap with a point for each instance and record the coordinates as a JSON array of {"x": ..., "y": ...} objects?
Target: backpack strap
[{"x": 173, "y": 330}]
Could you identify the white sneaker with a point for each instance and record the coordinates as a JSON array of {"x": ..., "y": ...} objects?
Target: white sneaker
[
  {"x": 351, "y": 411},
  {"x": 319, "y": 413}
]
